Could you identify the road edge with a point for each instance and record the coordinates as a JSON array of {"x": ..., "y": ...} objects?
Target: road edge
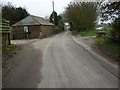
[{"x": 105, "y": 63}]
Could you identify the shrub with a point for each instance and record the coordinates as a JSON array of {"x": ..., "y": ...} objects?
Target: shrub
[{"x": 114, "y": 33}]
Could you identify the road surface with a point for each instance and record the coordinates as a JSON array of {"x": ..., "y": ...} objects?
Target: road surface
[{"x": 57, "y": 62}]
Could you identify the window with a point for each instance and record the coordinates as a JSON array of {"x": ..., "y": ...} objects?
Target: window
[{"x": 25, "y": 28}]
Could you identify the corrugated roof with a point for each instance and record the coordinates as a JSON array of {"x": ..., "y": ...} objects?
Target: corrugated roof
[{"x": 32, "y": 20}]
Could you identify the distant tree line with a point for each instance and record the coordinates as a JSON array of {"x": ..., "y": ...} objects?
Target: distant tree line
[{"x": 12, "y": 13}]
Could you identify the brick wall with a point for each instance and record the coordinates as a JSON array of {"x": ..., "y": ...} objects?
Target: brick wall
[
  {"x": 18, "y": 32},
  {"x": 48, "y": 30},
  {"x": 17, "y": 29},
  {"x": 34, "y": 31}
]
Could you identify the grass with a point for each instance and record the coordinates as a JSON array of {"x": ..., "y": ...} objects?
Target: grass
[
  {"x": 8, "y": 48},
  {"x": 114, "y": 48},
  {"x": 88, "y": 33}
]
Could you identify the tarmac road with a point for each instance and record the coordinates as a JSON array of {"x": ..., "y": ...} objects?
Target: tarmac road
[{"x": 58, "y": 62}]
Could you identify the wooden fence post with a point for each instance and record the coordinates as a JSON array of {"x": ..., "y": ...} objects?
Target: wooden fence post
[{"x": 9, "y": 42}]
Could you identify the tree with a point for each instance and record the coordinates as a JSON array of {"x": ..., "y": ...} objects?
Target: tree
[
  {"x": 54, "y": 18},
  {"x": 13, "y": 14},
  {"x": 57, "y": 20},
  {"x": 111, "y": 10},
  {"x": 82, "y": 15},
  {"x": 60, "y": 22},
  {"x": 22, "y": 12},
  {"x": 114, "y": 33}
]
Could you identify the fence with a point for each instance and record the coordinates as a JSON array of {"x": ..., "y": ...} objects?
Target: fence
[{"x": 5, "y": 32}]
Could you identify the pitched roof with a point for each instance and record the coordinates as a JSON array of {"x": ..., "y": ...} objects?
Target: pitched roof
[{"x": 32, "y": 20}]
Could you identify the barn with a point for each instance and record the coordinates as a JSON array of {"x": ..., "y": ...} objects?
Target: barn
[{"x": 32, "y": 27}]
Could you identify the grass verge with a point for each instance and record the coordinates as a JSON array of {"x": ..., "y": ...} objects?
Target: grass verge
[
  {"x": 111, "y": 47},
  {"x": 8, "y": 48},
  {"x": 88, "y": 33}
]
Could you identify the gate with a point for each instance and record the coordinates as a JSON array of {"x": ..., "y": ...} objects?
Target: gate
[{"x": 5, "y": 32}]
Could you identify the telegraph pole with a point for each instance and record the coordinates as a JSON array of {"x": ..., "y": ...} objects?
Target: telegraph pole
[
  {"x": 53, "y": 5},
  {"x": 53, "y": 13}
]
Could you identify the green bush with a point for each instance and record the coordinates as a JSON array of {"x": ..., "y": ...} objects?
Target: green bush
[{"x": 114, "y": 33}]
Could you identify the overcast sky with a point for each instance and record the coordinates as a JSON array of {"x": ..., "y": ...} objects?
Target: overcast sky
[{"x": 40, "y": 8}]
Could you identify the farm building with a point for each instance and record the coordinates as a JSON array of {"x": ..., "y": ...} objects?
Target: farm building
[{"x": 32, "y": 27}]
